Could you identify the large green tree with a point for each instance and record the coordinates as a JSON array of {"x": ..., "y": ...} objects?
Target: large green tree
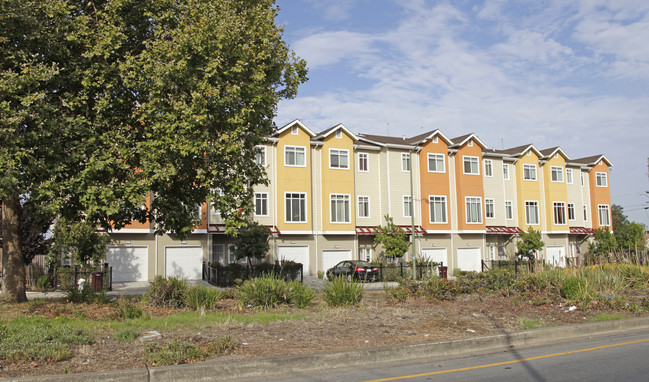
[
  {"x": 392, "y": 237},
  {"x": 628, "y": 235},
  {"x": 531, "y": 242},
  {"x": 105, "y": 103}
]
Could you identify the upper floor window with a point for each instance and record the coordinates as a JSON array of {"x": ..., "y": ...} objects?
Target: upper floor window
[
  {"x": 473, "y": 210},
  {"x": 295, "y": 156},
  {"x": 559, "y": 209},
  {"x": 407, "y": 206},
  {"x": 436, "y": 163},
  {"x": 405, "y": 162},
  {"x": 582, "y": 179},
  {"x": 363, "y": 206},
  {"x": 585, "y": 213},
  {"x": 569, "y": 175},
  {"x": 435, "y": 139},
  {"x": 489, "y": 208},
  {"x": 509, "y": 210},
  {"x": 529, "y": 172},
  {"x": 294, "y": 130},
  {"x": 604, "y": 215},
  {"x": 505, "y": 171},
  {"x": 261, "y": 204},
  {"x": 602, "y": 181},
  {"x": 488, "y": 167},
  {"x": 557, "y": 173},
  {"x": 295, "y": 206},
  {"x": 338, "y": 158},
  {"x": 260, "y": 155},
  {"x": 571, "y": 211},
  {"x": 363, "y": 162},
  {"x": 339, "y": 134},
  {"x": 340, "y": 207},
  {"x": 531, "y": 212},
  {"x": 470, "y": 143},
  {"x": 471, "y": 165},
  {"x": 438, "y": 209}
]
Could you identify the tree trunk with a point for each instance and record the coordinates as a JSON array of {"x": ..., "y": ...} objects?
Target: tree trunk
[{"x": 13, "y": 272}]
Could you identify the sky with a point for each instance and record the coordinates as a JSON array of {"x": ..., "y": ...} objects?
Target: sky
[{"x": 573, "y": 74}]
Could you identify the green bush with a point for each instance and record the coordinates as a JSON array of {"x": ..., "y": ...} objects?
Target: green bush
[
  {"x": 127, "y": 309},
  {"x": 199, "y": 296},
  {"x": 441, "y": 289},
  {"x": 269, "y": 291},
  {"x": 572, "y": 288},
  {"x": 86, "y": 295},
  {"x": 166, "y": 292},
  {"x": 340, "y": 292},
  {"x": 43, "y": 282},
  {"x": 127, "y": 334},
  {"x": 299, "y": 294}
]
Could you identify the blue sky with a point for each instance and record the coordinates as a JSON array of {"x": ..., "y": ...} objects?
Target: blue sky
[{"x": 563, "y": 73}]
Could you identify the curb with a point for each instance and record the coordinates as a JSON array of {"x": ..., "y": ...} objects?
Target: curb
[{"x": 226, "y": 369}]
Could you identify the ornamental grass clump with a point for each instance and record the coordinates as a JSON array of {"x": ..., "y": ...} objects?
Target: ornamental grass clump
[
  {"x": 270, "y": 291},
  {"x": 201, "y": 297},
  {"x": 166, "y": 292},
  {"x": 341, "y": 292}
]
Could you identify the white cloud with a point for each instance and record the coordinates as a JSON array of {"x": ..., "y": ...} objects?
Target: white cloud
[{"x": 328, "y": 48}]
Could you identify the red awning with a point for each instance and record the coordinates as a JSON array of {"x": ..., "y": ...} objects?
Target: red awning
[
  {"x": 503, "y": 230},
  {"x": 220, "y": 228},
  {"x": 581, "y": 231},
  {"x": 373, "y": 230}
]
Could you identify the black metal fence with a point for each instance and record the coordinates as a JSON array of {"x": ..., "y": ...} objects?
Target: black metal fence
[
  {"x": 230, "y": 274},
  {"x": 99, "y": 278},
  {"x": 516, "y": 266},
  {"x": 394, "y": 272}
]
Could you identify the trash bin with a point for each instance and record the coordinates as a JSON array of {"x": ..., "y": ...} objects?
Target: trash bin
[
  {"x": 443, "y": 272},
  {"x": 97, "y": 281}
]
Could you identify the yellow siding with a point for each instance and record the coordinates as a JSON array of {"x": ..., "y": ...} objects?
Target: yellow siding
[
  {"x": 528, "y": 190},
  {"x": 337, "y": 181},
  {"x": 555, "y": 192},
  {"x": 293, "y": 179}
]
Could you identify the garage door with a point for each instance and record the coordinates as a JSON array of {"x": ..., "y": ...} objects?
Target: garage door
[
  {"x": 438, "y": 255},
  {"x": 297, "y": 253},
  {"x": 556, "y": 256},
  {"x": 184, "y": 262},
  {"x": 333, "y": 257},
  {"x": 128, "y": 263},
  {"x": 469, "y": 259}
]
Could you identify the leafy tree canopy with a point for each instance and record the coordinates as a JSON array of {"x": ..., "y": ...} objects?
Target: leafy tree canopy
[
  {"x": 605, "y": 242},
  {"x": 252, "y": 241},
  {"x": 531, "y": 242},
  {"x": 393, "y": 239},
  {"x": 78, "y": 241},
  {"x": 628, "y": 235}
]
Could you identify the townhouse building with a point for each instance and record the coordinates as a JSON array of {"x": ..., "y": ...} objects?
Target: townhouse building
[{"x": 459, "y": 201}]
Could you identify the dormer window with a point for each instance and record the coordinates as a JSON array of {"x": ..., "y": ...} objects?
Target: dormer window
[
  {"x": 435, "y": 140},
  {"x": 470, "y": 143},
  {"x": 339, "y": 134},
  {"x": 294, "y": 130}
]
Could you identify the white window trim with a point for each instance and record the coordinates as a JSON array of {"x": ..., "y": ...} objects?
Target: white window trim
[
  {"x": 267, "y": 204},
  {"x": 430, "y": 212},
  {"x": 493, "y": 209},
  {"x": 552, "y": 169},
  {"x": 403, "y": 206},
  {"x": 306, "y": 215},
  {"x": 358, "y": 207},
  {"x": 435, "y": 139},
  {"x": 349, "y": 206},
  {"x": 466, "y": 210},
  {"x": 585, "y": 213},
  {"x": 488, "y": 163},
  {"x": 367, "y": 161},
  {"x": 536, "y": 175},
  {"x": 599, "y": 214},
  {"x": 569, "y": 179},
  {"x": 294, "y": 130},
  {"x": 511, "y": 207},
  {"x": 437, "y": 155},
  {"x": 262, "y": 150},
  {"x": 574, "y": 211},
  {"x": 538, "y": 213},
  {"x": 565, "y": 212},
  {"x": 403, "y": 156},
  {"x": 339, "y": 152},
  {"x": 605, "y": 177},
  {"x": 295, "y": 147},
  {"x": 339, "y": 134},
  {"x": 464, "y": 158},
  {"x": 506, "y": 171}
]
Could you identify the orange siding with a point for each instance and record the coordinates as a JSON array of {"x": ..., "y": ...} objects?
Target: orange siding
[
  {"x": 599, "y": 195},
  {"x": 468, "y": 185},
  {"x": 434, "y": 183}
]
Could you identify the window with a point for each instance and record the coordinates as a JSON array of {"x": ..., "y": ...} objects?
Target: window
[
  {"x": 363, "y": 162},
  {"x": 529, "y": 172},
  {"x": 436, "y": 163},
  {"x": 261, "y": 204},
  {"x": 488, "y": 168},
  {"x": 340, "y": 208},
  {"x": 582, "y": 179},
  {"x": 571, "y": 211},
  {"x": 338, "y": 158},
  {"x": 473, "y": 210},
  {"x": 295, "y": 156},
  {"x": 569, "y": 175},
  {"x": 471, "y": 165},
  {"x": 405, "y": 162},
  {"x": 295, "y": 207},
  {"x": 365, "y": 253},
  {"x": 601, "y": 179},
  {"x": 407, "y": 206},
  {"x": 559, "y": 209},
  {"x": 505, "y": 171},
  {"x": 231, "y": 249},
  {"x": 531, "y": 212},
  {"x": 363, "y": 206},
  {"x": 215, "y": 207},
  {"x": 435, "y": 139},
  {"x": 339, "y": 134},
  {"x": 260, "y": 155},
  {"x": 585, "y": 213},
  {"x": 470, "y": 144},
  {"x": 509, "y": 210},
  {"x": 218, "y": 253},
  {"x": 294, "y": 130},
  {"x": 437, "y": 209},
  {"x": 489, "y": 207},
  {"x": 557, "y": 173},
  {"x": 604, "y": 216}
]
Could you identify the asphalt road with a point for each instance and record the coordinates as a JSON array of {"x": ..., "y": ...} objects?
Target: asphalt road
[{"x": 622, "y": 357}]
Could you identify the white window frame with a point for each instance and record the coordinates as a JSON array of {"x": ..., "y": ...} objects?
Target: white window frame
[
  {"x": 532, "y": 204},
  {"x": 571, "y": 212},
  {"x": 470, "y": 143},
  {"x": 438, "y": 201},
  {"x": 556, "y": 174},
  {"x": 489, "y": 208},
  {"x": 340, "y": 153},
  {"x": 437, "y": 159},
  {"x": 260, "y": 155},
  {"x": 334, "y": 200},
  {"x": 294, "y": 151},
  {"x": 488, "y": 168},
  {"x": 585, "y": 213},
  {"x": 405, "y": 162},
  {"x": 582, "y": 178},
  {"x": 607, "y": 209},
  {"x": 363, "y": 158},
  {"x": 261, "y": 197},
  {"x": 509, "y": 210},
  {"x": 559, "y": 211},
  {"x": 528, "y": 171},
  {"x": 231, "y": 257},
  {"x": 303, "y": 205},
  {"x": 505, "y": 171},
  {"x": 474, "y": 164},
  {"x": 435, "y": 139},
  {"x": 569, "y": 178},
  {"x": 294, "y": 130},
  {"x": 469, "y": 203},
  {"x": 407, "y": 201},
  {"x": 339, "y": 134},
  {"x": 601, "y": 179},
  {"x": 363, "y": 200}
]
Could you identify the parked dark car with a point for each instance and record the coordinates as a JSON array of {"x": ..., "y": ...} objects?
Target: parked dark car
[{"x": 354, "y": 269}]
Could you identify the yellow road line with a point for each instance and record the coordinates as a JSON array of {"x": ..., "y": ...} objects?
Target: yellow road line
[{"x": 507, "y": 362}]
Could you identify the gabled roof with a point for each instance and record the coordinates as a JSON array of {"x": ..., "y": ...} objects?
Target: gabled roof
[
  {"x": 291, "y": 124},
  {"x": 520, "y": 150},
  {"x": 592, "y": 160},
  {"x": 329, "y": 131},
  {"x": 547, "y": 153},
  {"x": 430, "y": 135},
  {"x": 459, "y": 141},
  {"x": 382, "y": 140}
]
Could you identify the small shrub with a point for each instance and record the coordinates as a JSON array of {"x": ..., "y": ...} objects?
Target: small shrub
[
  {"x": 269, "y": 291},
  {"x": 299, "y": 294},
  {"x": 221, "y": 346},
  {"x": 127, "y": 309},
  {"x": 199, "y": 296},
  {"x": 340, "y": 292},
  {"x": 442, "y": 289},
  {"x": 127, "y": 334},
  {"x": 86, "y": 295},
  {"x": 572, "y": 288},
  {"x": 174, "y": 352},
  {"x": 166, "y": 292},
  {"x": 43, "y": 282}
]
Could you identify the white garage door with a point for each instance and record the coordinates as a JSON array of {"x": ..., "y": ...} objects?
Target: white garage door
[
  {"x": 469, "y": 259},
  {"x": 297, "y": 253},
  {"x": 184, "y": 262},
  {"x": 556, "y": 256},
  {"x": 333, "y": 257},
  {"x": 438, "y": 255},
  {"x": 128, "y": 263}
]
